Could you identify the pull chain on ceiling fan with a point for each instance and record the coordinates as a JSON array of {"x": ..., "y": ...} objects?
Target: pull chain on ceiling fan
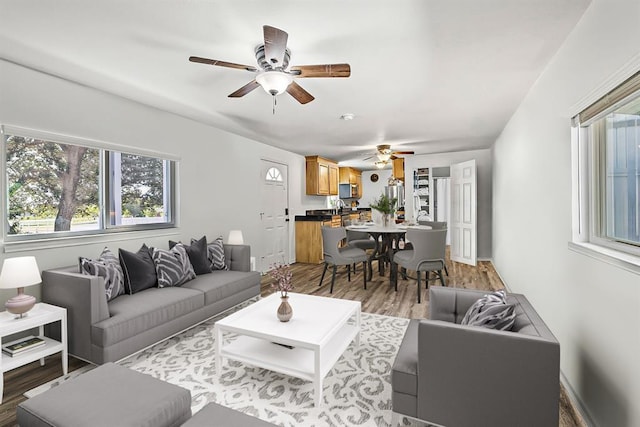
[{"x": 273, "y": 60}]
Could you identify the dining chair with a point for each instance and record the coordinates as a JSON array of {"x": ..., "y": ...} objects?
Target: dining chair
[
  {"x": 362, "y": 240},
  {"x": 427, "y": 254},
  {"x": 436, "y": 225},
  {"x": 334, "y": 255}
]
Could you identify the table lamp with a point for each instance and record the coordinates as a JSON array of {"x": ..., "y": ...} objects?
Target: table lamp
[
  {"x": 235, "y": 237},
  {"x": 18, "y": 273}
]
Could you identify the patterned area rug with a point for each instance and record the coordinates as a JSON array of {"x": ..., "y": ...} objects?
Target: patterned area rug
[{"x": 356, "y": 392}]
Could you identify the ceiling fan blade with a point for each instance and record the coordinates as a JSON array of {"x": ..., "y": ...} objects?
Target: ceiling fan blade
[
  {"x": 301, "y": 95},
  {"x": 403, "y": 152},
  {"x": 275, "y": 44},
  {"x": 393, "y": 157},
  {"x": 245, "y": 89},
  {"x": 324, "y": 70},
  {"x": 222, "y": 63}
]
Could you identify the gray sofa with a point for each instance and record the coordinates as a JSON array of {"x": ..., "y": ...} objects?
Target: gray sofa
[
  {"x": 454, "y": 375},
  {"x": 101, "y": 331}
]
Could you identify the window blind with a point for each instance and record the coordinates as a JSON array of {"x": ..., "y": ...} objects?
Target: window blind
[{"x": 611, "y": 98}]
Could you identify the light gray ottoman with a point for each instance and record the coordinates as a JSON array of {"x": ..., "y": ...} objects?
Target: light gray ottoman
[
  {"x": 108, "y": 396},
  {"x": 217, "y": 415}
]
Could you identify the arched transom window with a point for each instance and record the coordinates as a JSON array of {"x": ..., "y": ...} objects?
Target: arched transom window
[{"x": 274, "y": 174}]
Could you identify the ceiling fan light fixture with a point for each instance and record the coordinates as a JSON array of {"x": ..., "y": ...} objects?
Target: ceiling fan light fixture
[
  {"x": 380, "y": 164},
  {"x": 384, "y": 157},
  {"x": 274, "y": 82}
]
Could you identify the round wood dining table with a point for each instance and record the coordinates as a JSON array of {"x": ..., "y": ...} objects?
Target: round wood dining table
[{"x": 387, "y": 239}]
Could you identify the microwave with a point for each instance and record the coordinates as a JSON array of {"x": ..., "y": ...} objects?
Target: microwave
[{"x": 348, "y": 191}]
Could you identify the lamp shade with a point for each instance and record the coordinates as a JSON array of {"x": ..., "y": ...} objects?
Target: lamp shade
[
  {"x": 274, "y": 82},
  {"x": 19, "y": 272},
  {"x": 235, "y": 237}
]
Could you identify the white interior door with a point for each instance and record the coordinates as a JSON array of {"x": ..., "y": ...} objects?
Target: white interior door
[
  {"x": 274, "y": 216},
  {"x": 443, "y": 203},
  {"x": 463, "y": 227}
]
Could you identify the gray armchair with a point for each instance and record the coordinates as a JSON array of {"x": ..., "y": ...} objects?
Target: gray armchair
[{"x": 456, "y": 376}]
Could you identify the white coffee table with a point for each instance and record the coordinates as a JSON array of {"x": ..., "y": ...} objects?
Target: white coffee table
[{"x": 320, "y": 330}]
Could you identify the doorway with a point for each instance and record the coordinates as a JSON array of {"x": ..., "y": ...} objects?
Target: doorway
[{"x": 274, "y": 215}]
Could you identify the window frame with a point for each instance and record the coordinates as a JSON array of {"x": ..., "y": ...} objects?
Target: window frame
[
  {"x": 104, "y": 228},
  {"x": 589, "y": 185}
]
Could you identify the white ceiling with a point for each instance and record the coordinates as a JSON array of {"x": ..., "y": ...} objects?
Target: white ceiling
[{"x": 426, "y": 75}]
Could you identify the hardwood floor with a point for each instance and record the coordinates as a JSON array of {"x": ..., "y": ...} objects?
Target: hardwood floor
[{"x": 378, "y": 298}]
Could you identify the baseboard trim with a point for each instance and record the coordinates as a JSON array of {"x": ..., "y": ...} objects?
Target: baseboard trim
[{"x": 577, "y": 402}]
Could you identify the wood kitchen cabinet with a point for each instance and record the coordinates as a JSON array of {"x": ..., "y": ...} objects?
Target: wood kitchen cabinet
[
  {"x": 322, "y": 176},
  {"x": 398, "y": 168},
  {"x": 309, "y": 239},
  {"x": 353, "y": 177}
]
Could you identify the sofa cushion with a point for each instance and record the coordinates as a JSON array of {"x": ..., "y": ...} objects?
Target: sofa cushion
[
  {"x": 215, "y": 252},
  {"x": 404, "y": 373},
  {"x": 222, "y": 284},
  {"x": 173, "y": 266},
  {"x": 133, "y": 314},
  {"x": 139, "y": 270},
  {"x": 108, "y": 267},
  {"x": 491, "y": 311}
]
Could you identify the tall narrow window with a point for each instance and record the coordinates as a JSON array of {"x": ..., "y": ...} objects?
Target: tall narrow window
[
  {"x": 608, "y": 164},
  {"x": 139, "y": 190}
]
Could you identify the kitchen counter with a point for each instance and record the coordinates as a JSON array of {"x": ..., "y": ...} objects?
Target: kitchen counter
[
  {"x": 309, "y": 234},
  {"x": 313, "y": 217},
  {"x": 329, "y": 214}
]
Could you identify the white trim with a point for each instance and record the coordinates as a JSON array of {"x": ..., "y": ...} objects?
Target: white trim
[
  {"x": 607, "y": 85},
  {"x": 86, "y": 142},
  {"x": 61, "y": 242},
  {"x": 576, "y": 401},
  {"x": 613, "y": 257}
]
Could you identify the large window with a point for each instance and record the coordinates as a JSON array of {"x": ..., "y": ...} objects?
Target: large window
[
  {"x": 56, "y": 188},
  {"x": 608, "y": 165}
]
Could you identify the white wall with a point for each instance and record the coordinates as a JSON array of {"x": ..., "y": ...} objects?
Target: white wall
[
  {"x": 219, "y": 173},
  {"x": 372, "y": 190},
  {"x": 592, "y": 307},
  {"x": 484, "y": 191}
]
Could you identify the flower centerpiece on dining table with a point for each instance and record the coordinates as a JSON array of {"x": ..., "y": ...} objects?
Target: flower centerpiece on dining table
[
  {"x": 281, "y": 274},
  {"x": 386, "y": 206}
]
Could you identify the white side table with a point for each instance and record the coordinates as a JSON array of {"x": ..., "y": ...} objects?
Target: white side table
[{"x": 40, "y": 315}]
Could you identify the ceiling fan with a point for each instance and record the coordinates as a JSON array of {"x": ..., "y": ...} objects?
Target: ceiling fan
[
  {"x": 384, "y": 154},
  {"x": 272, "y": 73}
]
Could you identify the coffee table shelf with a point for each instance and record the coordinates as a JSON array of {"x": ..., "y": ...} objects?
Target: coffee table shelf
[{"x": 298, "y": 362}]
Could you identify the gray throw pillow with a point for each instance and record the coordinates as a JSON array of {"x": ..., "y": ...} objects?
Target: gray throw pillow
[
  {"x": 108, "y": 267},
  {"x": 215, "y": 251},
  {"x": 139, "y": 270},
  {"x": 172, "y": 267},
  {"x": 491, "y": 311}
]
